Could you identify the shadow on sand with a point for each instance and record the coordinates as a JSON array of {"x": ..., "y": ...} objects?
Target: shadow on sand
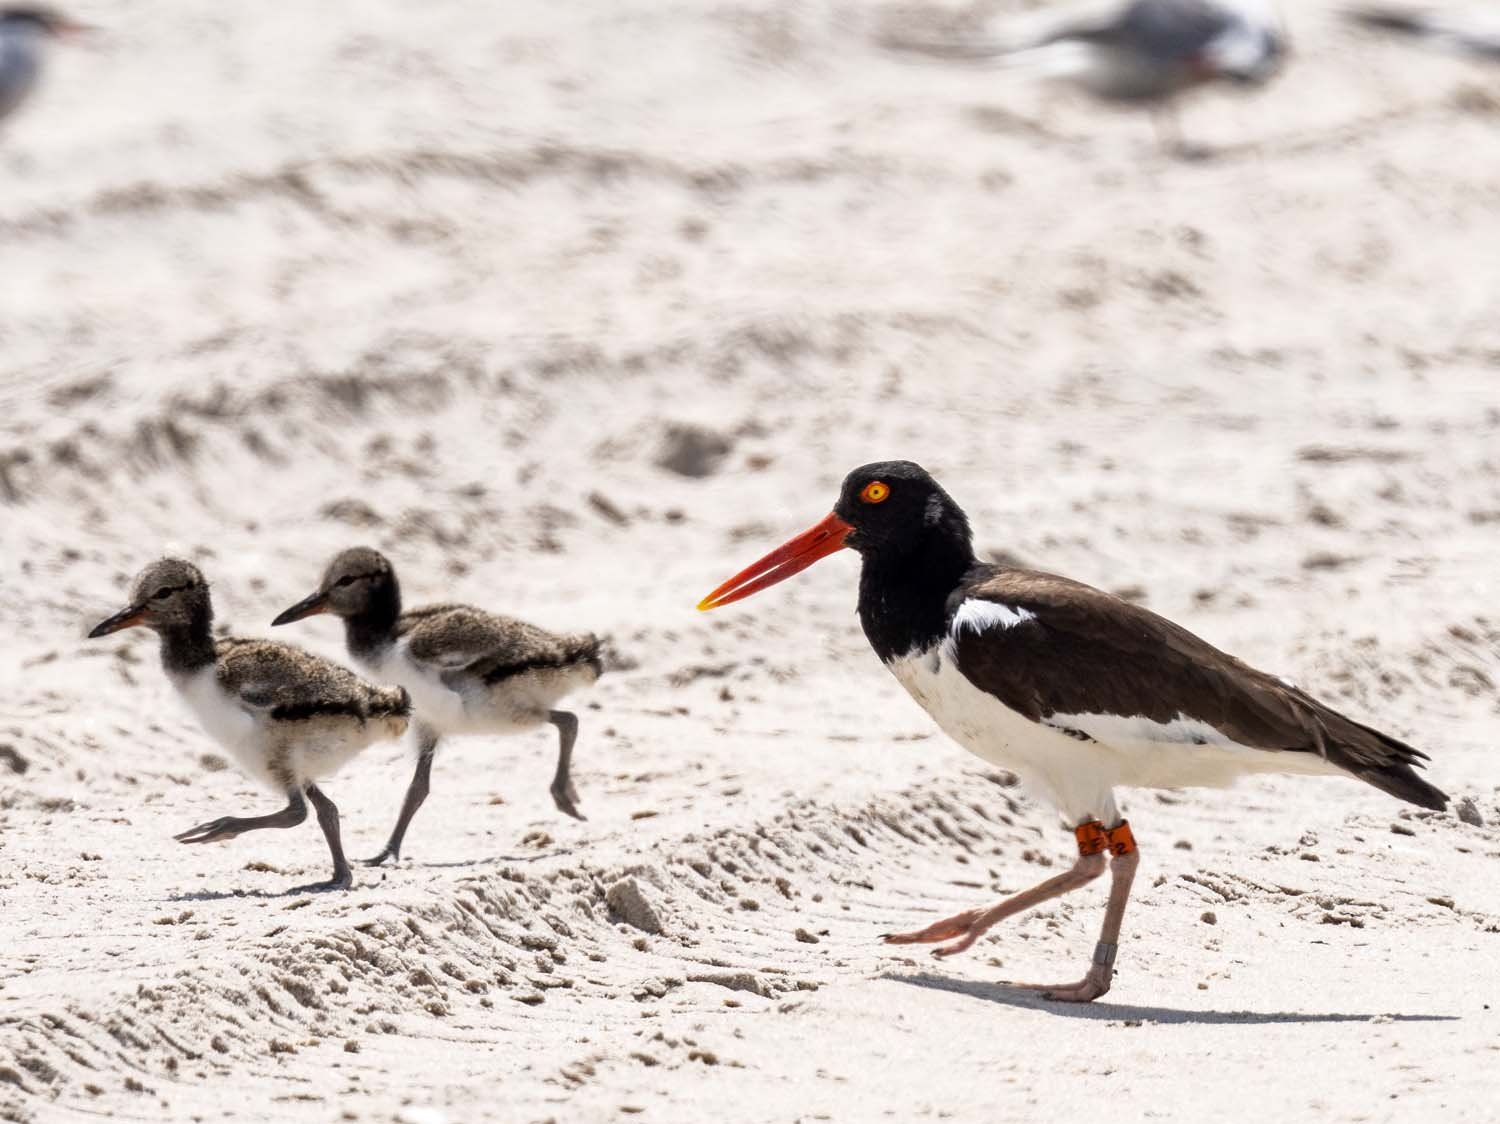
[
  {"x": 1097, "y": 1011},
  {"x": 496, "y": 860},
  {"x": 261, "y": 895},
  {"x": 371, "y": 877},
  {"x": 365, "y": 878}
]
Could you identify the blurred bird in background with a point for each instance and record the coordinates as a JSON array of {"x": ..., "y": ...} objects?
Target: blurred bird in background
[
  {"x": 1147, "y": 53},
  {"x": 1453, "y": 33},
  {"x": 26, "y": 34}
]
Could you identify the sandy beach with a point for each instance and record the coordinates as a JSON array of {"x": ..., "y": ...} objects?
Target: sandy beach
[{"x": 574, "y": 310}]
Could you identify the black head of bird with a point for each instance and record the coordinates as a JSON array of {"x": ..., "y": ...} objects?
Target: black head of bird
[
  {"x": 170, "y": 593},
  {"x": 887, "y": 511},
  {"x": 352, "y": 583}
]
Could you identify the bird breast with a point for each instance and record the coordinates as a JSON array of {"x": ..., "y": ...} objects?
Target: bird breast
[{"x": 226, "y": 720}]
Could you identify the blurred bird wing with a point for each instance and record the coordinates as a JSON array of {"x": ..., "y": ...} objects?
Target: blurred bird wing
[
  {"x": 453, "y": 637},
  {"x": 264, "y": 676}
]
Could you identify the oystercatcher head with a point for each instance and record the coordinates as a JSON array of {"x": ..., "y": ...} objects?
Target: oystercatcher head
[{"x": 899, "y": 519}]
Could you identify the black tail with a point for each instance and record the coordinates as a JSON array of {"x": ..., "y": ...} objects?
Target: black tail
[
  {"x": 589, "y": 649},
  {"x": 394, "y": 702},
  {"x": 1374, "y": 756},
  {"x": 1402, "y": 782}
]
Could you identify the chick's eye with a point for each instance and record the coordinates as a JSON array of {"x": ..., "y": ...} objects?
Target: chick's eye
[
  {"x": 875, "y": 492},
  {"x": 347, "y": 579},
  {"x": 162, "y": 594}
]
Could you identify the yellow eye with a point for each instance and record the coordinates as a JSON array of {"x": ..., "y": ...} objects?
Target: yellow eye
[{"x": 875, "y": 492}]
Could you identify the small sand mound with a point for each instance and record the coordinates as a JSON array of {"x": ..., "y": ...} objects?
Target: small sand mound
[{"x": 626, "y": 900}]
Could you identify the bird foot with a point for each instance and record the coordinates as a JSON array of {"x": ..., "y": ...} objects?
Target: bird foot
[
  {"x": 1093, "y": 985},
  {"x": 963, "y": 928},
  {"x": 215, "y": 831},
  {"x": 341, "y": 880},
  {"x": 565, "y": 796},
  {"x": 391, "y": 853}
]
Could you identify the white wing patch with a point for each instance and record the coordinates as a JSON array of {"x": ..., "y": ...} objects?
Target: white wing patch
[
  {"x": 1184, "y": 752},
  {"x": 1123, "y": 730},
  {"x": 1077, "y": 774},
  {"x": 978, "y": 615}
]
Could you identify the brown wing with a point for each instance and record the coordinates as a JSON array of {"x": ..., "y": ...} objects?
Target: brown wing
[
  {"x": 292, "y": 684},
  {"x": 462, "y": 639},
  {"x": 1078, "y": 650}
]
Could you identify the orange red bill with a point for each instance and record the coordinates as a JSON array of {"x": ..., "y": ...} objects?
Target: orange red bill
[{"x": 792, "y": 557}]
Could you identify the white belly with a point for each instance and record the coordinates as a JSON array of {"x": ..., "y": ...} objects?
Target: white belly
[
  {"x": 1078, "y": 776},
  {"x": 322, "y": 746},
  {"x": 433, "y": 700},
  {"x": 311, "y": 749},
  {"x": 226, "y": 721},
  {"x": 518, "y": 703}
]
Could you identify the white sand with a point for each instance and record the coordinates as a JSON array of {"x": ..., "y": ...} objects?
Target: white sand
[{"x": 432, "y": 276}]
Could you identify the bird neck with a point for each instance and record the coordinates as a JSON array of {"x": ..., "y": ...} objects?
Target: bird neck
[
  {"x": 188, "y": 647},
  {"x": 903, "y": 598},
  {"x": 374, "y": 626}
]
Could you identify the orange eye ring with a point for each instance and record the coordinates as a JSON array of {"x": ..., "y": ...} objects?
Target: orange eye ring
[{"x": 875, "y": 491}]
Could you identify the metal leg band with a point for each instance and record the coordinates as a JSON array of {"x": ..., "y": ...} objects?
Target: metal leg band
[{"x": 1104, "y": 954}]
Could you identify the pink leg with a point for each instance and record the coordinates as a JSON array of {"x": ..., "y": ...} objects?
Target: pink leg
[
  {"x": 1101, "y": 972},
  {"x": 1093, "y": 840},
  {"x": 968, "y": 926}
]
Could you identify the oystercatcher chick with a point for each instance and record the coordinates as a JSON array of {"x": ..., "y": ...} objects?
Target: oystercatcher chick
[
  {"x": 25, "y": 34},
  {"x": 468, "y": 671},
  {"x": 1145, "y": 53},
  {"x": 288, "y": 718},
  {"x": 1074, "y": 690}
]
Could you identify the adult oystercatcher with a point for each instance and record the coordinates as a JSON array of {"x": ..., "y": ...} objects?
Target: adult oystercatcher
[
  {"x": 288, "y": 718},
  {"x": 469, "y": 671},
  {"x": 1074, "y": 690}
]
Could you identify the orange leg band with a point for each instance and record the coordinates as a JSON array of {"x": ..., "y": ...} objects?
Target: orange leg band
[
  {"x": 1121, "y": 841},
  {"x": 1093, "y": 838}
]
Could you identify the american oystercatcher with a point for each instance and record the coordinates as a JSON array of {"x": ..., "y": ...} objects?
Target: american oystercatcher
[
  {"x": 1074, "y": 690},
  {"x": 25, "y": 31},
  {"x": 288, "y": 718},
  {"x": 469, "y": 671}
]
